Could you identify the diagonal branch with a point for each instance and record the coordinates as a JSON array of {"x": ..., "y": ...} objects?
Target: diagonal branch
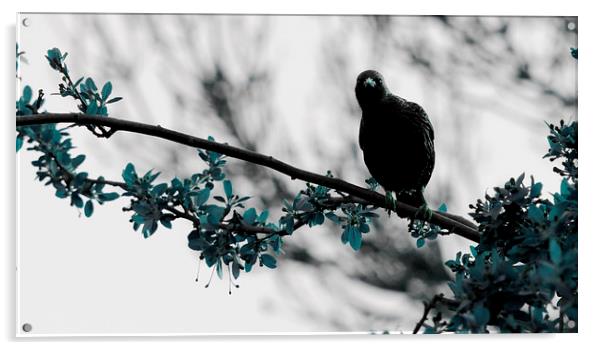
[
  {"x": 453, "y": 223},
  {"x": 428, "y": 306}
]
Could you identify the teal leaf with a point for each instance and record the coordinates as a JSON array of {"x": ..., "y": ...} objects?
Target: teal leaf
[
  {"x": 79, "y": 179},
  {"x": 536, "y": 190},
  {"x": 77, "y": 161},
  {"x": 106, "y": 90},
  {"x": 90, "y": 84},
  {"x": 166, "y": 223},
  {"x": 420, "y": 242},
  {"x": 228, "y": 189},
  {"x": 263, "y": 217},
  {"x": 100, "y": 184},
  {"x": 76, "y": 200},
  {"x": 316, "y": 219},
  {"x": 215, "y": 214},
  {"x": 276, "y": 243},
  {"x": 137, "y": 218},
  {"x": 345, "y": 235},
  {"x": 481, "y": 315},
  {"x": 202, "y": 196},
  {"x": 555, "y": 252},
  {"x": 149, "y": 227},
  {"x": 149, "y": 177},
  {"x": 249, "y": 216},
  {"x": 55, "y": 58},
  {"x": 333, "y": 217},
  {"x": 355, "y": 238},
  {"x": 268, "y": 260},
  {"x": 289, "y": 222},
  {"x": 369, "y": 214},
  {"x": 176, "y": 183},
  {"x": 54, "y": 53},
  {"x": 364, "y": 228},
  {"x": 564, "y": 187},
  {"x": 27, "y": 94},
  {"x": 473, "y": 251},
  {"x": 114, "y": 99},
  {"x": 92, "y": 108},
  {"x": 78, "y": 81},
  {"x": 62, "y": 193},
  {"x": 243, "y": 199},
  {"x": 107, "y": 197},
  {"x": 443, "y": 208},
  {"x": 88, "y": 208},
  {"x": 235, "y": 269},
  {"x": 219, "y": 269},
  {"x": 210, "y": 259},
  {"x": 159, "y": 189},
  {"x": 19, "y": 143},
  {"x": 520, "y": 179},
  {"x": 535, "y": 214},
  {"x": 129, "y": 174}
]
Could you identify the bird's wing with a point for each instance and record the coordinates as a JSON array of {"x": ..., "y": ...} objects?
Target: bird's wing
[
  {"x": 427, "y": 171},
  {"x": 416, "y": 115},
  {"x": 421, "y": 117},
  {"x": 417, "y": 112}
]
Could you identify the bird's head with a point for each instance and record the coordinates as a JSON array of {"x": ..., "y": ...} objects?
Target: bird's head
[{"x": 370, "y": 88}]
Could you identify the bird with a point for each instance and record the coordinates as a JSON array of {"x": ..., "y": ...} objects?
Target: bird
[{"x": 397, "y": 141}]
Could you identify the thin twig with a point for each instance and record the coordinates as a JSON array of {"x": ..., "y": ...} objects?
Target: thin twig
[
  {"x": 437, "y": 299},
  {"x": 238, "y": 227},
  {"x": 427, "y": 308}
]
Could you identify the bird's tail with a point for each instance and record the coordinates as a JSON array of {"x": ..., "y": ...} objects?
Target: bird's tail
[{"x": 414, "y": 198}]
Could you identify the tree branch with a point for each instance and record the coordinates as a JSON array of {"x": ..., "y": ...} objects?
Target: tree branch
[
  {"x": 238, "y": 227},
  {"x": 438, "y": 298},
  {"x": 453, "y": 223},
  {"x": 427, "y": 308}
]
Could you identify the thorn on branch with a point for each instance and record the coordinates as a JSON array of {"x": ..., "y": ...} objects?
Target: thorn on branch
[
  {"x": 39, "y": 101},
  {"x": 101, "y": 132}
]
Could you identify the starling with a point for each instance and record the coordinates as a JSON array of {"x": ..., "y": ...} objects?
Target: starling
[{"x": 397, "y": 140}]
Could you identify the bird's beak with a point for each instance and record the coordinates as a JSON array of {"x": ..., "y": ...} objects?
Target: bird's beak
[{"x": 369, "y": 81}]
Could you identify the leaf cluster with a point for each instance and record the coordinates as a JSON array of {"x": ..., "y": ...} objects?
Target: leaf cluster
[{"x": 522, "y": 276}]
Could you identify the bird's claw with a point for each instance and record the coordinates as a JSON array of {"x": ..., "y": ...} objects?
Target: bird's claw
[
  {"x": 424, "y": 213},
  {"x": 390, "y": 202}
]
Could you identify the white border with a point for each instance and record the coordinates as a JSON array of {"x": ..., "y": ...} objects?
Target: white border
[{"x": 589, "y": 109}]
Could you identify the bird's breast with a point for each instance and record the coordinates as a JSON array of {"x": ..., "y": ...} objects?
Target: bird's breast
[{"x": 398, "y": 153}]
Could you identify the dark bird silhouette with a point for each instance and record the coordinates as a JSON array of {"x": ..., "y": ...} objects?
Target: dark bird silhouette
[{"x": 397, "y": 139}]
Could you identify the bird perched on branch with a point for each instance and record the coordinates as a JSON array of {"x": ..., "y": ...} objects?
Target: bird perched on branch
[{"x": 397, "y": 139}]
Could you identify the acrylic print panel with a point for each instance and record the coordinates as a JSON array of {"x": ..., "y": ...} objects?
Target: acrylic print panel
[{"x": 195, "y": 236}]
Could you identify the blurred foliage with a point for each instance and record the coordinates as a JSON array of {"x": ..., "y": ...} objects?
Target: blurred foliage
[{"x": 20, "y": 57}]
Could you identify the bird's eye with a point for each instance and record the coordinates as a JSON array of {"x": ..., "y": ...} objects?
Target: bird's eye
[{"x": 369, "y": 82}]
